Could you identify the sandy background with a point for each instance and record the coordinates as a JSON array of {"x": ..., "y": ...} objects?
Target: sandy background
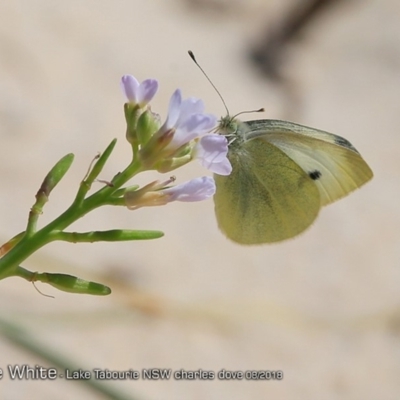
[{"x": 324, "y": 308}]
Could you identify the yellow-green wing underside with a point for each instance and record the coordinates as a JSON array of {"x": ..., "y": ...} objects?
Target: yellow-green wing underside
[
  {"x": 282, "y": 174},
  {"x": 266, "y": 198},
  {"x": 341, "y": 167}
]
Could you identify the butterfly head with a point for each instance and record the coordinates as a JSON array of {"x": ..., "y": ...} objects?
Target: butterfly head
[
  {"x": 230, "y": 127},
  {"x": 227, "y": 126}
]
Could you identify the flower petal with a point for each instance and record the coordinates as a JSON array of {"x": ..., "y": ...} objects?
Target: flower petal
[
  {"x": 194, "y": 190},
  {"x": 193, "y": 127},
  {"x": 221, "y": 168},
  {"x": 201, "y": 123},
  {"x": 130, "y": 86},
  {"x": 211, "y": 151},
  {"x": 173, "y": 110},
  {"x": 190, "y": 106},
  {"x": 147, "y": 89}
]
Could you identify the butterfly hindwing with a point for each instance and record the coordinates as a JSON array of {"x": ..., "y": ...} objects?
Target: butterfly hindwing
[{"x": 267, "y": 197}]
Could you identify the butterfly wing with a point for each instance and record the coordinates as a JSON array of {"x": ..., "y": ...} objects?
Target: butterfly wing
[
  {"x": 267, "y": 197},
  {"x": 333, "y": 162}
]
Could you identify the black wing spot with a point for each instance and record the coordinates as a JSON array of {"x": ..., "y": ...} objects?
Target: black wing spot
[
  {"x": 315, "y": 175},
  {"x": 344, "y": 143}
]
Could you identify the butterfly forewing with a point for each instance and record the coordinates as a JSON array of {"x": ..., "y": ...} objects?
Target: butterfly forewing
[{"x": 333, "y": 162}]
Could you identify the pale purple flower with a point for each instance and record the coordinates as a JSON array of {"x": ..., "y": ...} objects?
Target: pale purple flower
[
  {"x": 187, "y": 119},
  {"x": 138, "y": 93},
  {"x": 156, "y": 194},
  {"x": 194, "y": 190},
  {"x": 211, "y": 150}
]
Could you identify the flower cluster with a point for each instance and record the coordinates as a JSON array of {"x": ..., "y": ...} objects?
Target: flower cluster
[{"x": 184, "y": 136}]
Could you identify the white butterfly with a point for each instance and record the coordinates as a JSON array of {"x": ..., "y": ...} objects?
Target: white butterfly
[{"x": 283, "y": 173}]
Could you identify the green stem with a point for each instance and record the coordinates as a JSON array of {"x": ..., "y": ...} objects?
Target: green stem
[
  {"x": 29, "y": 244},
  {"x": 51, "y": 180},
  {"x": 35, "y": 212},
  {"x": 25, "y": 274}
]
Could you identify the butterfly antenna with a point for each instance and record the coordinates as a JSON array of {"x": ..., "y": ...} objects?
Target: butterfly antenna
[
  {"x": 248, "y": 112},
  {"x": 209, "y": 80}
]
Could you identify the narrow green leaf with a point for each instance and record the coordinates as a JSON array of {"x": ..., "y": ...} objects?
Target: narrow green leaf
[
  {"x": 72, "y": 284},
  {"x": 55, "y": 175},
  {"x": 99, "y": 165},
  {"x": 114, "y": 235}
]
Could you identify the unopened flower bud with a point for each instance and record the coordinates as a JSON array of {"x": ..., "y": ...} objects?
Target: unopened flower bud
[
  {"x": 132, "y": 113},
  {"x": 148, "y": 123}
]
